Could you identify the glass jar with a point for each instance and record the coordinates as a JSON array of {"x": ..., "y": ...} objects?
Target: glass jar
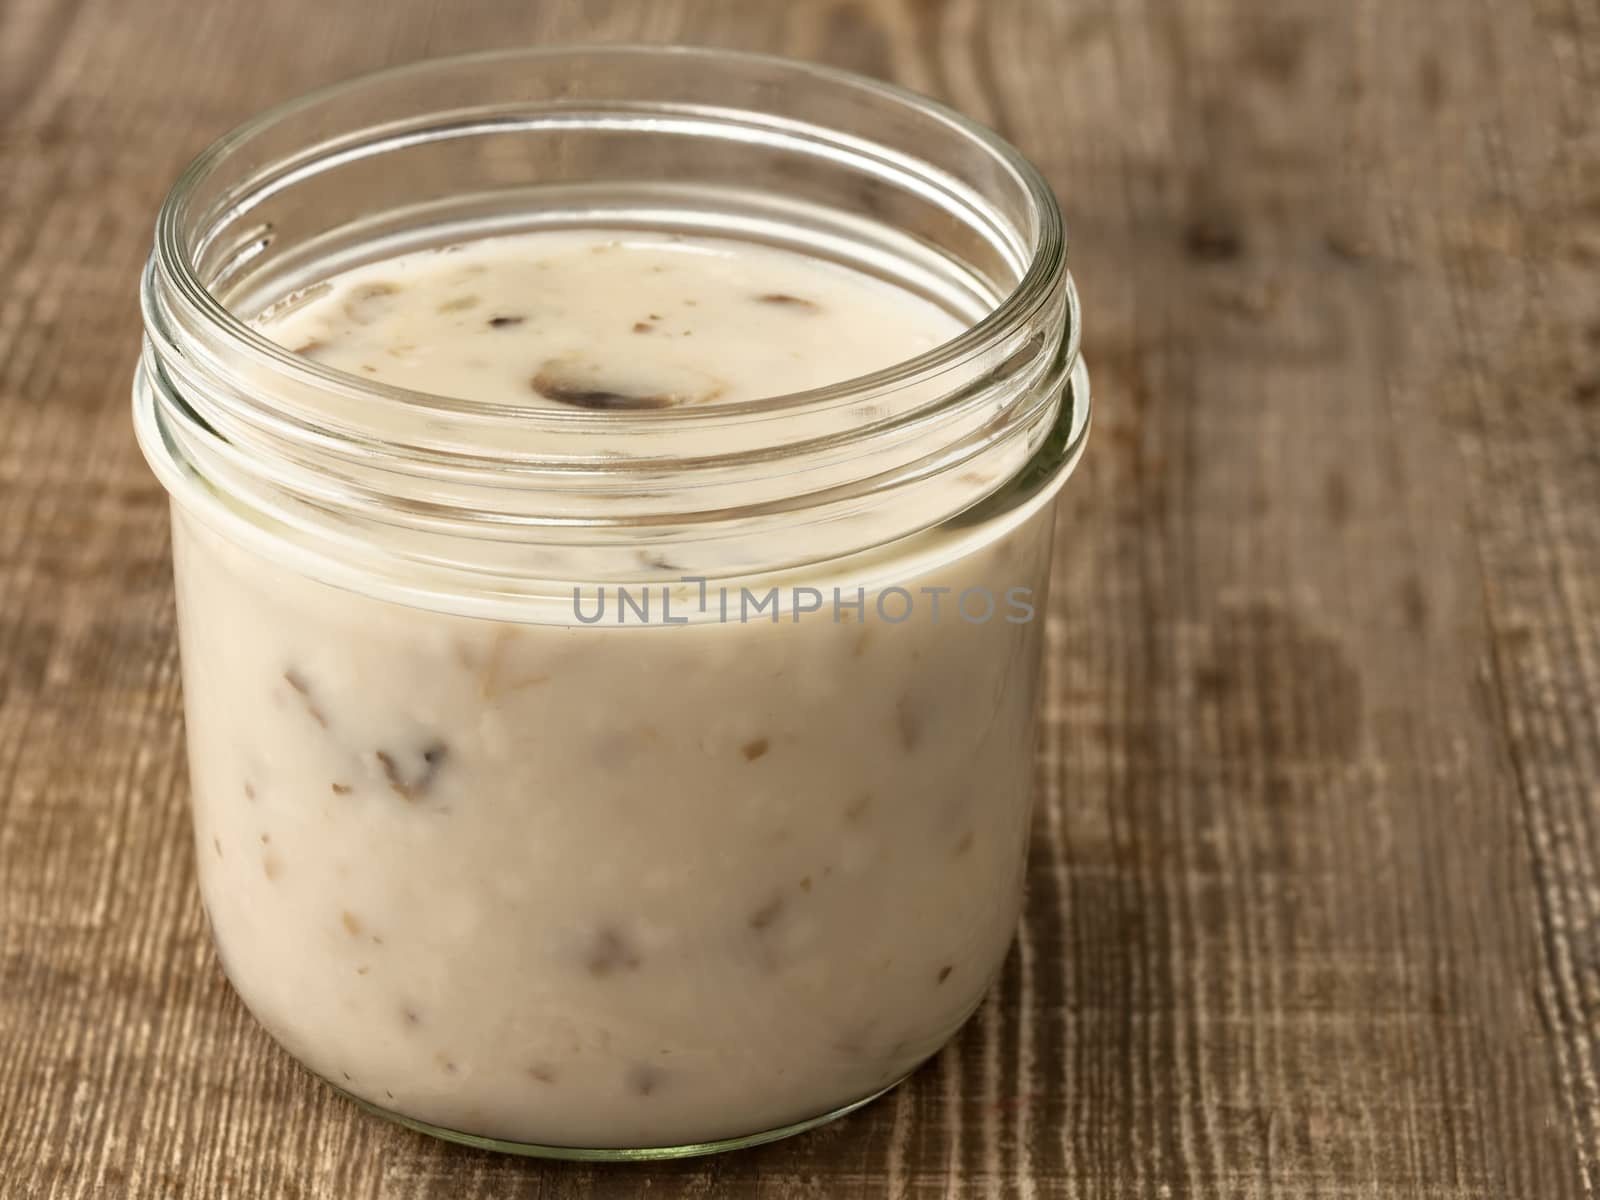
[{"x": 486, "y": 842}]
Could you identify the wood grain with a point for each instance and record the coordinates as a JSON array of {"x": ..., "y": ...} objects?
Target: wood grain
[{"x": 1315, "y": 888}]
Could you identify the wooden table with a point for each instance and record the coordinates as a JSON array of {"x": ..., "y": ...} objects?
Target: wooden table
[{"x": 1315, "y": 899}]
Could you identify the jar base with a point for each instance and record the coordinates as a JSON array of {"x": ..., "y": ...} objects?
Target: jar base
[{"x": 617, "y": 1154}]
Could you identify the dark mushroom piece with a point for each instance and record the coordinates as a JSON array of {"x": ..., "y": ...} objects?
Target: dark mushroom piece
[
  {"x": 785, "y": 300},
  {"x": 411, "y": 781},
  {"x": 584, "y": 386}
]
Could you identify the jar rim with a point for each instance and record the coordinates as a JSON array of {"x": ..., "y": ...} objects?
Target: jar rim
[
  {"x": 1031, "y": 291},
  {"x": 494, "y": 495}
]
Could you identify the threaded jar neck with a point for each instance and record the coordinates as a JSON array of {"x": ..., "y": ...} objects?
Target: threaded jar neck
[{"x": 502, "y": 498}]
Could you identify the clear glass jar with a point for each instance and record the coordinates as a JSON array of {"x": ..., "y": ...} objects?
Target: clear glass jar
[{"x": 631, "y": 886}]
